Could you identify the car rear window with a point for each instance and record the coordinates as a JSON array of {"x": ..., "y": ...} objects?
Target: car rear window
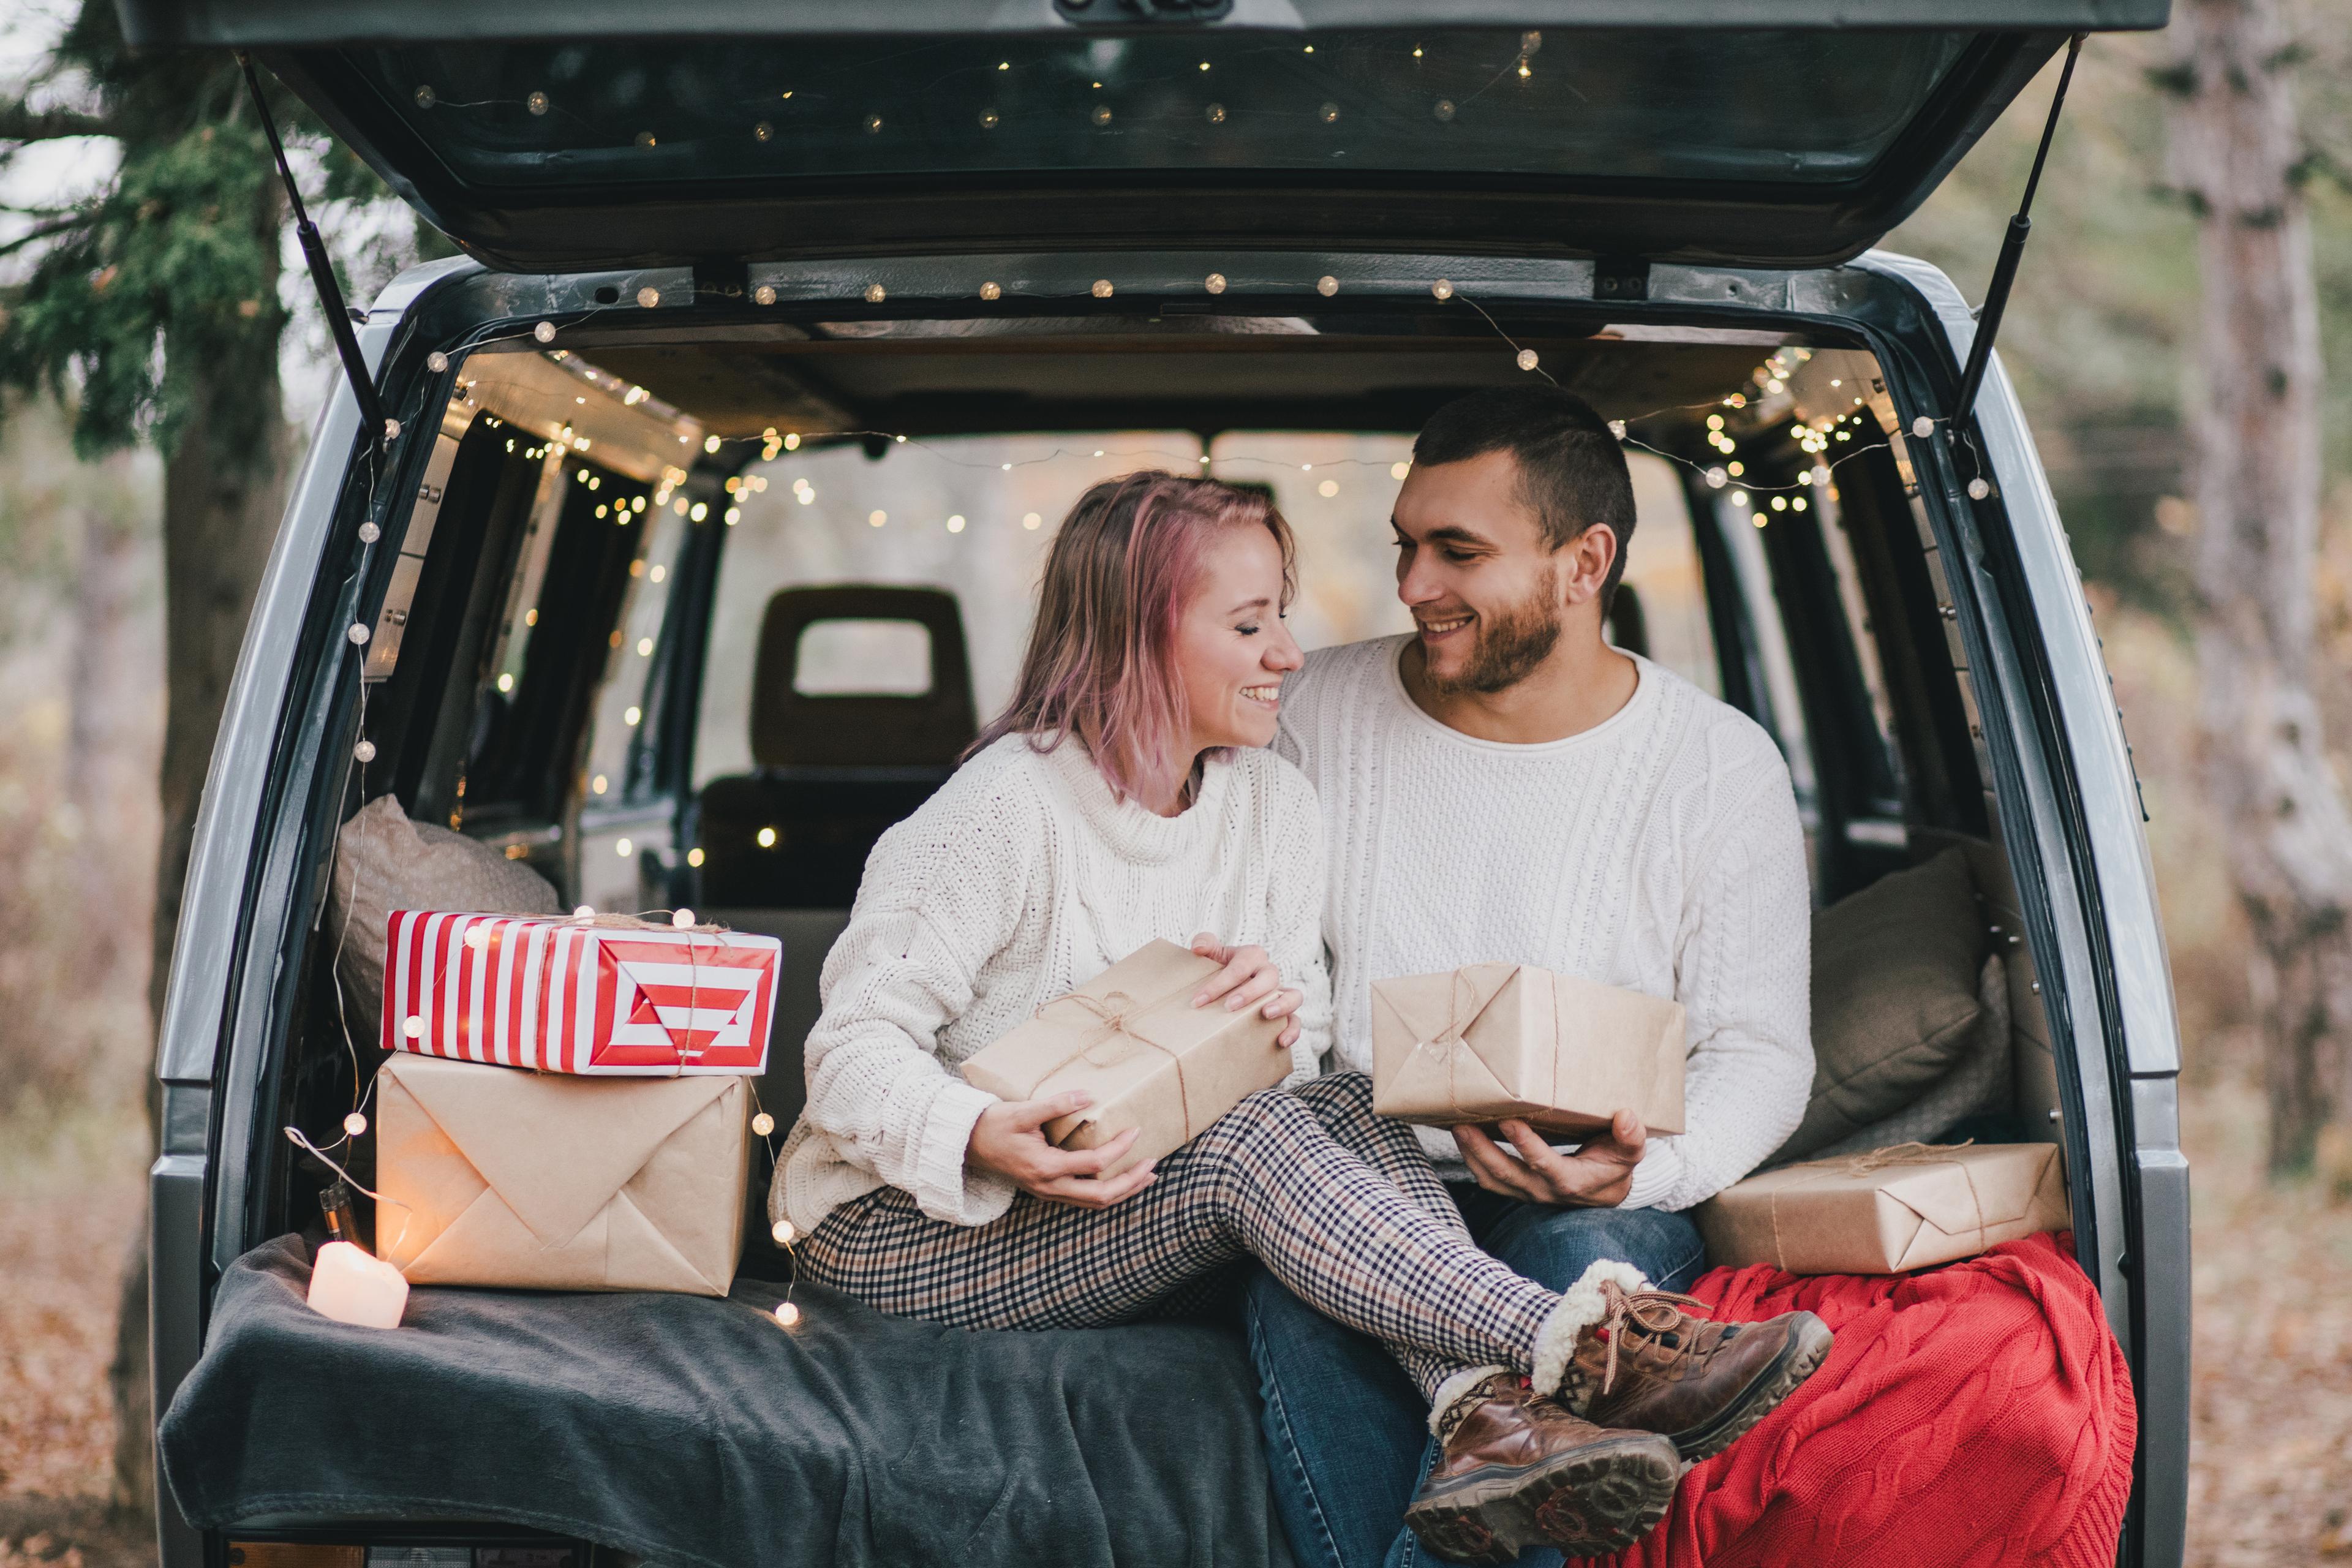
[{"x": 1776, "y": 106}]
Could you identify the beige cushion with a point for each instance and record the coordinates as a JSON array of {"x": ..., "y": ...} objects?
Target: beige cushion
[
  {"x": 1896, "y": 997},
  {"x": 385, "y": 862}
]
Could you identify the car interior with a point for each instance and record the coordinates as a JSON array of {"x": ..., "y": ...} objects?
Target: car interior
[{"x": 688, "y": 619}]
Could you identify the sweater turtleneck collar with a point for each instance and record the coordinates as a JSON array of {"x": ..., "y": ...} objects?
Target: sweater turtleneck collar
[{"x": 1132, "y": 832}]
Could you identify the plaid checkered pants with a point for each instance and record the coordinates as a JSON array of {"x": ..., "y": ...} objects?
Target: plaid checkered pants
[{"x": 1341, "y": 1204}]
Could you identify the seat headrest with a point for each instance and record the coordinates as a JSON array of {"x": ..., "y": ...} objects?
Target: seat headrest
[{"x": 791, "y": 727}]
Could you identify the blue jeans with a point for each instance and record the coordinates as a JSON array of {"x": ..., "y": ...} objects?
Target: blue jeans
[{"x": 1347, "y": 1435}]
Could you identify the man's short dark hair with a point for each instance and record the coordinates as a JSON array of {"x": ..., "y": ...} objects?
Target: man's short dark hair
[{"x": 1572, "y": 470}]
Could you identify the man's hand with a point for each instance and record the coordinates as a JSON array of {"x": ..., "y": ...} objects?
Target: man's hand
[
  {"x": 1010, "y": 1140},
  {"x": 1596, "y": 1176}
]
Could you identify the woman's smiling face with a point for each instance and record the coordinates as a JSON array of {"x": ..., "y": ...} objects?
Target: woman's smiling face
[{"x": 1232, "y": 647}]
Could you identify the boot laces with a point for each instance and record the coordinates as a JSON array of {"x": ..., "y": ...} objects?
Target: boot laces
[{"x": 1653, "y": 1311}]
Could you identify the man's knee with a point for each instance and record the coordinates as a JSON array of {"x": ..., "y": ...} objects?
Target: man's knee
[{"x": 1554, "y": 1246}]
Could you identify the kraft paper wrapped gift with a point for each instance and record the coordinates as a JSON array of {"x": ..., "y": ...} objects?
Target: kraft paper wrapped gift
[
  {"x": 1887, "y": 1211},
  {"x": 1493, "y": 1040},
  {"x": 607, "y": 993},
  {"x": 552, "y": 1182},
  {"x": 1132, "y": 1037}
]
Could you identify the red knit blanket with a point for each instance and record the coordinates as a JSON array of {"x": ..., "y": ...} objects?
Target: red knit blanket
[{"x": 1976, "y": 1413}]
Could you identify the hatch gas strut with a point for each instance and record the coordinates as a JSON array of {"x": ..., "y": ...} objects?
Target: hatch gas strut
[
  {"x": 2012, "y": 247},
  {"x": 322, "y": 278}
]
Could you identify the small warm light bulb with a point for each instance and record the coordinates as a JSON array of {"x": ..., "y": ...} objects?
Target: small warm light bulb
[
  {"x": 784, "y": 1233},
  {"x": 632, "y": 715},
  {"x": 1527, "y": 359},
  {"x": 876, "y": 294},
  {"x": 1398, "y": 470},
  {"x": 876, "y": 518},
  {"x": 1031, "y": 522},
  {"x": 357, "y": 633},
  {"x": 370, "y": 532},
  {"x": 1923, "y": 427},
  {"x": 599, "y": 784},
  {"x": 1717, "y": 479},
  {"x": 1215, "y": 283},
  {"x": 413, "y": 1026},
  {"x": 436, "y": 362},
  {"x": 645, "y": 647},
  {"x": 762, "y": 1124},
  {"x": 1327, "y": 285},
  {"x": 584, "y": 911},
  {"x": 355, "y": 1123},
  {"x": 694, "y": 856},
  {"x": 767, "y": 837},
  {"x": 1328, "y": 488},
  {"x": 1978, "y": 488},
  {"x": 791, "y": 441},
  {"x": 788, "y": 1314},
  {"x": 1443, "y": 289},
  {"x": 1102, "y": 289},
  {"x": 697, "y": 511},
  {"x": 647, "y": 298},
  {"x": 365, "y": 752},
  {"x": 478, "y": 938},
  {"x": 544, "y": 332},
  {"x": 624, "y": 848},
  {"x": 992, "y": 291},
  {"x": 764, "y": 294}
]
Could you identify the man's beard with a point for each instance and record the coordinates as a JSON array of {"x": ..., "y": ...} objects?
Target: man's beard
[{"x": 1511, "y": 643}]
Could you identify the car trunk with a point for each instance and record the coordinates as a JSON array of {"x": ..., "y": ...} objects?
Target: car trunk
[{"x": 702, "y": 266}]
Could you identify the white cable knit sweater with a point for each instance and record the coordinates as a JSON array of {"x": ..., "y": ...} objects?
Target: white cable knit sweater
[
  {"x": 1659, "y": 850},
  {"x": 1019, "y": 879}
]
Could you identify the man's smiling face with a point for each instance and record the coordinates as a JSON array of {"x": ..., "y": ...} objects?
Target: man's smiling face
[{"x": 1474, "y": 569}]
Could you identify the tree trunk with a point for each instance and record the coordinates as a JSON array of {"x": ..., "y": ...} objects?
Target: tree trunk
[
  {"x": 224, "y": 489},
  {"x": 2256, "y": 420}
]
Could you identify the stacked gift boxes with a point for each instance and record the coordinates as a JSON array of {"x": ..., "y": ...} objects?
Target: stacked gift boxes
[{"x": 568, "y": 1102}]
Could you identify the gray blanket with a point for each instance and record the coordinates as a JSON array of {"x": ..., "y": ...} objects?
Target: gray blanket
[{"x": 697, "y": 1431}]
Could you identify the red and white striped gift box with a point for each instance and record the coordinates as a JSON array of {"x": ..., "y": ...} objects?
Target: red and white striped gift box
[{"x": 565, "y": 995}]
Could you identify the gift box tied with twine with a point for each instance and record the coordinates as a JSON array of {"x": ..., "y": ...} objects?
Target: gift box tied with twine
[{"x": 1132, "y": 1039}]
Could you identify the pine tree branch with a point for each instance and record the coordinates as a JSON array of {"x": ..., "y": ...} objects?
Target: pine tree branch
[{"x": 21, "y": 123}]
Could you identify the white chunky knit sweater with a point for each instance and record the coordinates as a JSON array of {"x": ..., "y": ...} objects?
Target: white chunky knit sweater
[
  {"x": 1659, "y": 850},
  {"x": 1022, "y": 878}
]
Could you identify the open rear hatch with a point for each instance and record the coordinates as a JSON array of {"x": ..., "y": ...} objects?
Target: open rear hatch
[{"x": 561, "y": 136}]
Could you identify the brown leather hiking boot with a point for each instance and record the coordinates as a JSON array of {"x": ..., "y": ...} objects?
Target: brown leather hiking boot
[
  {"x": 1515, "y": 1470},
  {"x": 1650, "y": 1366}
]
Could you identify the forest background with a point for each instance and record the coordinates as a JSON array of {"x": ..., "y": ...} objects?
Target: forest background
[{"x": 2101, "y": 338}]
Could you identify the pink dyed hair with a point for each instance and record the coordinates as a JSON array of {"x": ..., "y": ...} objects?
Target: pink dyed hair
[{"x": 1101, "y": 662}]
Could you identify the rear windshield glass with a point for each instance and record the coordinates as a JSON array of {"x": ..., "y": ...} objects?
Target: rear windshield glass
[{"x": 1785, "y": 107}]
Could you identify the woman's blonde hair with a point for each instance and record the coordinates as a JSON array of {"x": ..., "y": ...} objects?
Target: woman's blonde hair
[{"x": 1101, "y": 661}]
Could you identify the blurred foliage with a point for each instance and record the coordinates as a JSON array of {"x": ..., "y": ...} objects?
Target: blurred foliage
[
  {"x": 2100, "y": 330},
  {"x": 162, "y": 279}
]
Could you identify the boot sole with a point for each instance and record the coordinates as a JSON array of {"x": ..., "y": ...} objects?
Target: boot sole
[
  {"x": 1808, "y": 1347},
  {"x": 1588, "y": 1502}
]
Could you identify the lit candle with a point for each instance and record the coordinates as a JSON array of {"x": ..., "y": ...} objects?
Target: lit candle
[{"x": 351, "y": 1286}]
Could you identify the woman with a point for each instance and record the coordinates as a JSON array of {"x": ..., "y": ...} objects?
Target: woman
[{"x": 1126, "y": 793}]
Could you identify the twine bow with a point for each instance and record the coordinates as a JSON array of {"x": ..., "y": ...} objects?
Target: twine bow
[{"x": 1872, "y": 1160}]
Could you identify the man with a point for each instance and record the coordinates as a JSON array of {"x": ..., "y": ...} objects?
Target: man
[{"x": 1504, "y": 786}]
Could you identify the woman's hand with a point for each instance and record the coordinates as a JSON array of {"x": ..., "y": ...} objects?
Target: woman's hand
[
  {"x": 1248, "y": 976},
  {"x": 1010, "y": 1140}
]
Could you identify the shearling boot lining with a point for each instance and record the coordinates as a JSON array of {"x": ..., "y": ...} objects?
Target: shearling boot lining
[
  {"x": 1458, "y": 1386},
  {"x": 1580, "y": 1309}
]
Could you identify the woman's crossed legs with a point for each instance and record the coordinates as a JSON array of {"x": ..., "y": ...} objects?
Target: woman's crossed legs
[{"x": 1342, "y": 1206}]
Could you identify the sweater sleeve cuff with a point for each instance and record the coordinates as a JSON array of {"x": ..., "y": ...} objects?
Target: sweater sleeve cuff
[
  {"x": 1655, "y": 1176},
  {"x": 945, "y": 1187}
]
